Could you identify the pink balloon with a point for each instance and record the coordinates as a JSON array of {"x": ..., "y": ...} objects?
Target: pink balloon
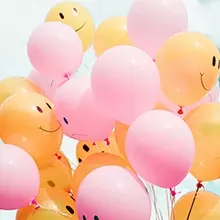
[
  {"x": 110, "y": 192},
  {"x": 151, "y": 23},
  {"x": 46, "y": 84},
  {"x": 78, "y": 112},
  {"x": 19, "y": 181},
  {"x": 212, "y": 96},
  {"x": 160, "y": 147},
  {"x": 125, "y": 82},
  {"x": 55, "y": 49}
]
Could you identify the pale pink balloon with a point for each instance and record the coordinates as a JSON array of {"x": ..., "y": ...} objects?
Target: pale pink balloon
[
  {"x": 151, "y": 23},
  {"x": 19, "y": 178},
  {"x": 212, "y": 96},
  {"x": 160, "y": 148},
  {"x": 78, "y": 112},
  {"x": 125, "y": 82},
  {"x": 110, "y": 192},
  {"x": 55, "y": 49}
]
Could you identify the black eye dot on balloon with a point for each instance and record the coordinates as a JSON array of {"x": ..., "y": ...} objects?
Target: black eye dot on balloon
[
  {"x": 96, "y": 217},
  {"x": 51, "y": 183},
  {"x": 48, "y": 105},
  {"x": 80, "y": 160},
  {"x": 61, "y": 15},
  {"x": 65, "y": 120},
  {"x": 84, "y": 217},
  {"x": 85, "y": 148},
  {"x": 39, "y": 109},
  {"x": 214, "y": 61},
  {"x": 69, "y": 209}
]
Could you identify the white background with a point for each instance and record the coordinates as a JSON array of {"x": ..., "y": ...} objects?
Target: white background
[{"x": 18, "y": 18}]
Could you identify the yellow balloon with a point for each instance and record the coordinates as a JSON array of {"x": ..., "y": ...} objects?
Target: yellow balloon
[
  {"x": 76, "y": 16},
  {"x": 54, "y": 204},
  {"x": 206, "y": 206},
  {"x": 189, "y": 66},
  {"x": 120, "y": 135},
  {"x": 12, "y": 85},
  {"x": 110, "y": 33},
  {"x": 204, "y": 123}
]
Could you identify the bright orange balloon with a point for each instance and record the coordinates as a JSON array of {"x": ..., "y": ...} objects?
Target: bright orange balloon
[
  {"x": 95, "y": 161},
  {"x": 206, "y": 206},
  {"x": 110, "y": 33},
  {"x": 204, "y": 123},
  {"x": 86, "y": 148},
  {"x": 55, "y": 205},
  {"x": 189, "y": 64},
  {"x": 120, "y": 134},
  {"x": 11, "y": 85},
  {"x": 28, "y": 120},
  {"x": 77, "y": 17},
  {"x": 57, "y": 174}
]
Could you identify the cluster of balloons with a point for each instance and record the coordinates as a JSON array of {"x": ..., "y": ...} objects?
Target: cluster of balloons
[{"x": 149, "y": 108}]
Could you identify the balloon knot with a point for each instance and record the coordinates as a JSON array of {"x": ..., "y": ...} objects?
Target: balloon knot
[
  {"x": 94, "y": 144},
  {"x": 180, "y": 112},
  {"x": 199, "y": 185},
  {"x": 35, "y": 203},
  {"x": 107, "y": 141},
  {"x": 173, "y": 192},
  {"x": 58, "y": 156},
  {"x": 154, "y": 60},
  {"x": 67, "y": 75}
]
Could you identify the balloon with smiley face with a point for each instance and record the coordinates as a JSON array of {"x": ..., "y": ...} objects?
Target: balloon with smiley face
[
  {"x": 189, "y": 66},
  {"x": 76, "y": 16},
  {"x": 28, "y": 120},
  {"x": 54, "y": 204}
]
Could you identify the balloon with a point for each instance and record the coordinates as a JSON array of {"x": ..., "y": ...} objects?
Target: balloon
[
  {"x": 28, "y": 120},
  {"x": 93, "y": 162},
  {"x": 55, "y": 49},
  {"x": 115, "y": 191},
  {"x": 204, "y": 123},
  {"x": 12, "y": 85},
  {"x": 110, "y": 33},
  {"x": 57, "y": 174},
  {"x": 206, "y": 206},
  {"x": 78, "y": 112},
  {"x": 188, "y": 65},
  {"x": 122, "y": 84},
  {"x": 19, "y": 177},
  {"x": 87, "y": 148},
  {"x": 54, "y": 204},
  {"x": 158, "y": 142},
  {"x": 166, "y": 104},
  {"x": 120, "y": 135},
  {"x": 151, "y": 23},
  {"x": 77, "y": 17},
  {"x": 46, "y": 84}
]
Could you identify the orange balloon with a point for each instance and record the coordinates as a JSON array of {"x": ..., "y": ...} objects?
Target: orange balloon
[
  {"x": 204, "y": 123},
  {"x": 110, "y": 33},
  {"x": 93, "y": 162},
  {"x": 189, "y": 64},
  {"x": 86, "y": 148},
  {"x": 12, "y": 85},
  {"x": 120, "y": 134},
  {"x": 206, "y": 206},
  {"x": 28, "y": 120},
  {"x": 57, "y": 174},
  {"x": 54, "y": 204}
]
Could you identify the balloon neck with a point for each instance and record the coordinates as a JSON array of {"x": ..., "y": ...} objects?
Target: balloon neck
[
  {"x": 154, "y": 60},
  {"x": 173, "y": 192},
  {"x": 180, "y": 111},
  {"x": 107, "y": 141},
  {"x": 199, "y": 185},
  {"x": 35, "y": 203},
  {"x": 58, "y": 156},
  {"x": 94, "y": 144},
  {"x": 67, "y": 75}
]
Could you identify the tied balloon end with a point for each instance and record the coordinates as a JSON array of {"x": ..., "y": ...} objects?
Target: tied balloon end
[
  {"x": 180, "y": 111},
  {"x": 173, "y": 192},
  {"x": 58, "y": 156},
  {"x": 199, "y": 185},
  {"x": 67, "y": 76},
  {"x": 94, "y": 144},
  {"x": 35, "y": 203},
  {"x": 107, "y": 141}
]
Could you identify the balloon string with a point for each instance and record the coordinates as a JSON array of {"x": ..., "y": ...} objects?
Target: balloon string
[
  {"x": 199, "y": 186},
  {"x": 168, "y": 204},
  {"x": 158, "y": 213},
  {"x": 173, "y": 198}
]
